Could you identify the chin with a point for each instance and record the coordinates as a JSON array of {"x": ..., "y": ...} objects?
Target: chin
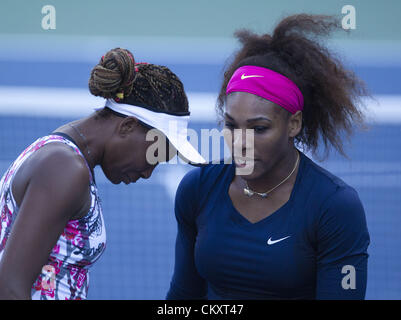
[
  {"x": 249, "y": 177},
  {"x": 248, "y": 172},
  {"x": 109, "y": 177}
]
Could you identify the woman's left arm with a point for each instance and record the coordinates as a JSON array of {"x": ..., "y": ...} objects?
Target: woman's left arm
[{"x": 342, "y": 243}]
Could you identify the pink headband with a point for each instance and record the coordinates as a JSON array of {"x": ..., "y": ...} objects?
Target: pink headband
[{"x": 267, "y": 84}]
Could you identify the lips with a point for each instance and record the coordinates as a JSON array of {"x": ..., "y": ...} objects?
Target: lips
[
  {"x": 240, "y": 163},
  {"x": 243, "y": 162}
]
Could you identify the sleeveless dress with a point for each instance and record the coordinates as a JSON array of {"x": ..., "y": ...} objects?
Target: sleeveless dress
[{"x": 66, "y": 274}]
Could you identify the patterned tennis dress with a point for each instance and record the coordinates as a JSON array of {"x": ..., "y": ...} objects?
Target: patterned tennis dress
[{"x": 65, "y": 276}]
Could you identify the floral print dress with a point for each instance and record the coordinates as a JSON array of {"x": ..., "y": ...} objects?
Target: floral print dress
[{"x": 66, "y": 274}]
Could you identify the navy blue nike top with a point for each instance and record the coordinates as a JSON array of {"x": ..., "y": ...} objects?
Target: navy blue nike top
[{"x": 313, "y": 247}]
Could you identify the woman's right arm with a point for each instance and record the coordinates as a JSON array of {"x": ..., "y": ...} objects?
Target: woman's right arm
[
  {"x": 57, "y": 189},
  {"x": 186, "y": 283}
]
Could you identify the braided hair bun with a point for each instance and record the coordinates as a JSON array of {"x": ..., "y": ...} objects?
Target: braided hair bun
[{"x": 114, "y": 74}]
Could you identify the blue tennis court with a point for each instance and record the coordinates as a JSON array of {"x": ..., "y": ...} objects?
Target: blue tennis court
[{"x": 139, "y": 258}]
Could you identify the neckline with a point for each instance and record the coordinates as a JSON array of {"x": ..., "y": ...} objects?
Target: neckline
[
  {"x": 238, "y": 218},
  {"x": 68, "y": 137}
]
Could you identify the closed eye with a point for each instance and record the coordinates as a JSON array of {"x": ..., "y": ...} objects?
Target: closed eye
[
  {"x": 229, "y": 125},
  {"x": 260, "y": 129}
]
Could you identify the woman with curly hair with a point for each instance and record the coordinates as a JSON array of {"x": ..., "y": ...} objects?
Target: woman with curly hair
[
  {"x": 287, "y": 229},
  {"x": 52, "y": 228}
]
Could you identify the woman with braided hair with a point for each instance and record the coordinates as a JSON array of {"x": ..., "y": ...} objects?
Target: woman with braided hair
[
  {"x": 287, "y": 229},
  {"x": 52, "y": 229}
]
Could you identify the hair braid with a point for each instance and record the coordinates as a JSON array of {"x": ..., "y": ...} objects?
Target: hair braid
[
  {"x": 115, "y": 73},
  {"x": 141, "y": 83},
  {"x": 158, "y": 87}
]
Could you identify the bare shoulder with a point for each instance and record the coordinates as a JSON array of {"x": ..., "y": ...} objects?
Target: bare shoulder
[
  {"x": 59, "y": 159},
  {"x": 54, "y": 166}
]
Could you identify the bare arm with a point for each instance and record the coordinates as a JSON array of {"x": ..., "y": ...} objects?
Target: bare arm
[{"x": 56, "y": 191}]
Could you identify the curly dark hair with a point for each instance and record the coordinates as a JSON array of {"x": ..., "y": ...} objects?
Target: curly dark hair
[
  {"x": 142, "y": 84},
  {"x": 332, "y": 94}
]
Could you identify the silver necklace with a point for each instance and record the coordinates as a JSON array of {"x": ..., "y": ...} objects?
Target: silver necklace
[
  {"x": 249, "y": 192},
  {"x": 83, "y": 139}
]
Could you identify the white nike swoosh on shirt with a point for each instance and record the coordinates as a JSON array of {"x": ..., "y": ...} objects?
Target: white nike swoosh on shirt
[
  {"x": 251, "y": 76},
  {"x": 270, "y": 241}
]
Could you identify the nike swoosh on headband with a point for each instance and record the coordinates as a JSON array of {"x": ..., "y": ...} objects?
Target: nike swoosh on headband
[
  {"x": 251, "y": 76},
  {"x": 274, "y": 87}
]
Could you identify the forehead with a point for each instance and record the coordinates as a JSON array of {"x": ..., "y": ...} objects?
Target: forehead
[{"x": 244, "y": 105}]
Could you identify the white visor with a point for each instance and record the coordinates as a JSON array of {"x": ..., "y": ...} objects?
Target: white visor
[{"x": 174, "y": 127}]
